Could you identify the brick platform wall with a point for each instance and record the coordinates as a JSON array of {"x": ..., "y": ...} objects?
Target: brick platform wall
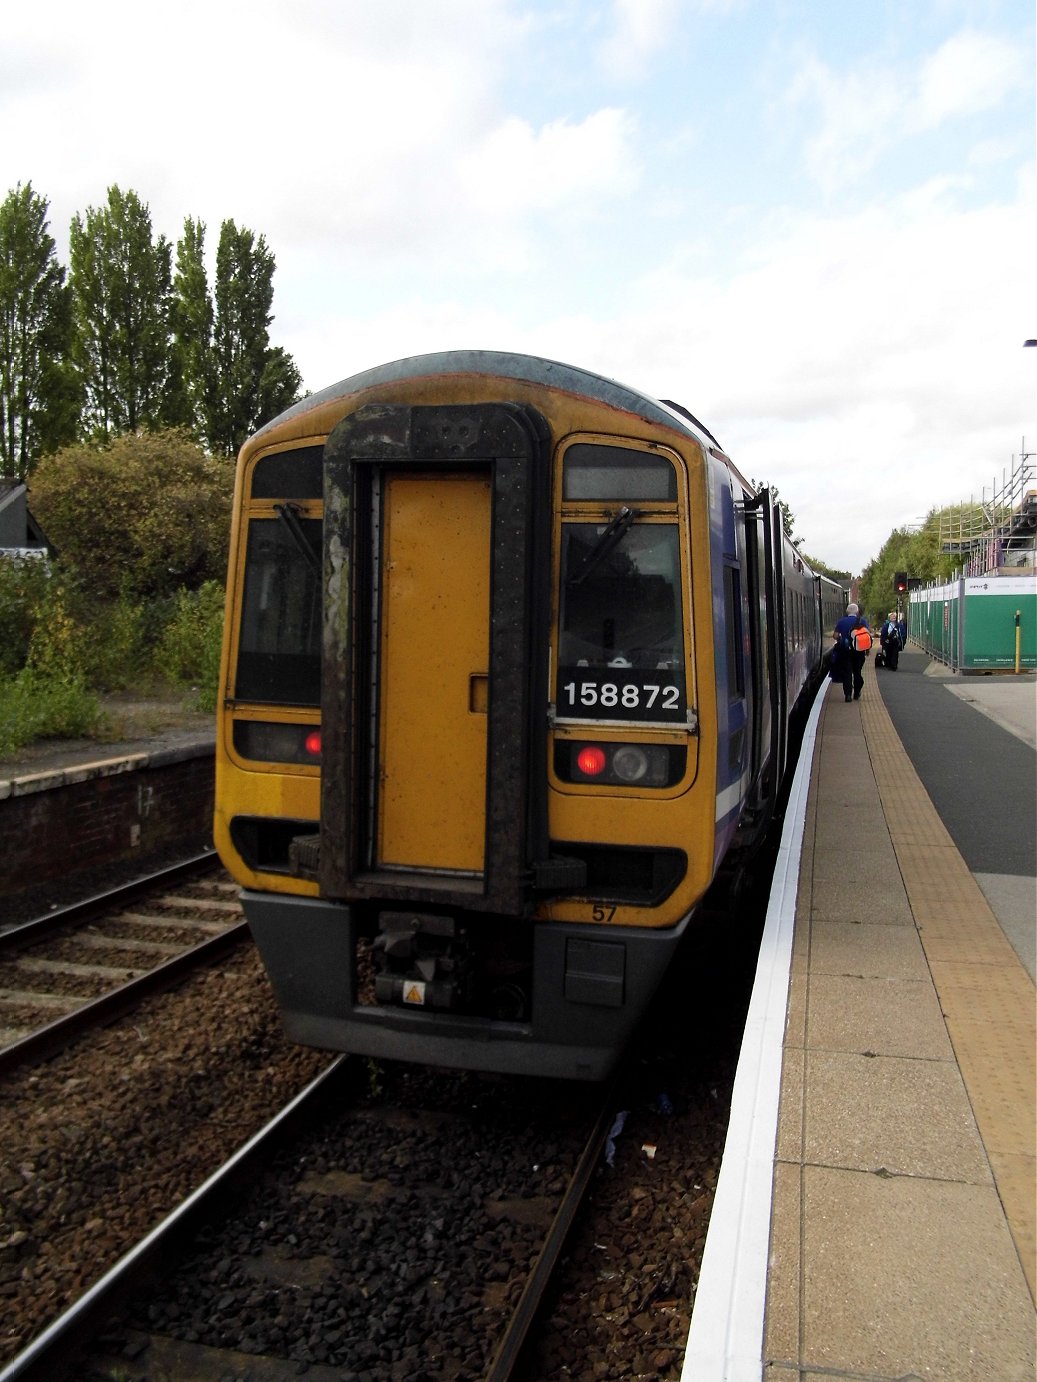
[{"x": 103, "y": 813}]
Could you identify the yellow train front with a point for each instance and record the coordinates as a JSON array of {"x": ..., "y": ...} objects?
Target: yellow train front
[{"x": 498, "y": 698}]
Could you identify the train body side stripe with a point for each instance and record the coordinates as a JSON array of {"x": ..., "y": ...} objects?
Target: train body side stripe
[{"x": 731, "y": 798}]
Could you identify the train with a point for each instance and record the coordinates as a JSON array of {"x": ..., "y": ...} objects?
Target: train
[{"x": 512, "y": 656}]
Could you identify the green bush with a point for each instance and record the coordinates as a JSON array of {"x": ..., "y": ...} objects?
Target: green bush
[
  {"x": 140, "y": 515},
  {"x": 113, "y": 643},
  {"x": 60, "y": 646},
  {"x": 23, "y": 589},
  {"x": 34, "y": 705},
  {"x": 188, "y": 652}
]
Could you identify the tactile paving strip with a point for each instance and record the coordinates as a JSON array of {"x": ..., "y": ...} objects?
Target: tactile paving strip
[{"x": 986, "y": 996}]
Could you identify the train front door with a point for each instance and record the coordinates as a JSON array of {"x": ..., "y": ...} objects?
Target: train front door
[
  {"x": 434, "y": 661},
  {"x": 433, "y": 671}
]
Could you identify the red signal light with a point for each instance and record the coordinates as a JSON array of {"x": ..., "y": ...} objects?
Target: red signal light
[
  {"x": 312, "y": 743},
  {"x": 591, "y": 760}
]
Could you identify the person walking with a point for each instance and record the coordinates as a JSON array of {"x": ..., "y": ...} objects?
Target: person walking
[
  {"x": 891, "y": 640},
  {"x": 853, "y": 642}
]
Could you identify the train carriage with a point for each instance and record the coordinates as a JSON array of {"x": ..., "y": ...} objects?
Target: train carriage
[{"x": 510, "y": 657}]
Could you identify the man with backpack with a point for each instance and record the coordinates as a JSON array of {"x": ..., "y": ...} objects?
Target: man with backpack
[{"x": 852, "y": 645}]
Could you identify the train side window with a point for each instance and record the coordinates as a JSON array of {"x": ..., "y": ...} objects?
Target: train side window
[
  {"x": 605, "y": 473},
  {"x": 733, "y": 641},
  {"x": 280, "y": 638}
]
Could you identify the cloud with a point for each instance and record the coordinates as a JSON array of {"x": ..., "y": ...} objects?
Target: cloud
[
  {"x": 858, "y": 112},
  {"x": 868, "y": 363},
  {"x": 381, "y": 132},
  {"x": 865, "y": 110},
  {"x": 428, "y": 180},
  {"x": 970, "y": 72},
  {"x": 516, "y": 169},
  {"x": 637, "y": 29}
]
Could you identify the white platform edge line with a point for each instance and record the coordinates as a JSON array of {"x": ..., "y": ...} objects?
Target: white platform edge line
[{"x": 725, "y": 1341}]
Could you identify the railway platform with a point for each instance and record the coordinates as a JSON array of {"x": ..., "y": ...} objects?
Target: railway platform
[{"x": 875, "y": 1215}]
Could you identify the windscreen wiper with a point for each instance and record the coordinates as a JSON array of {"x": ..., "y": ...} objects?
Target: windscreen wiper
[
  {"x": 610, "y": 538},
  {"x": 289, "y": 516}
]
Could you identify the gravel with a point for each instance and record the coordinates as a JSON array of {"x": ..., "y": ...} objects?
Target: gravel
[{"x": 100, "y": 1143}]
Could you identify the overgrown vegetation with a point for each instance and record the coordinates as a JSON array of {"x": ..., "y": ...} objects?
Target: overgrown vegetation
[
  {"x": 134, "y": 600},
  {"x": 139, "y": 516},
  {"x": 916, "y": 552},
  {"x": 62, "y": 650}
]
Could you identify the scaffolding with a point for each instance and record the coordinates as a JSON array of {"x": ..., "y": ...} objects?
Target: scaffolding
[{"x": 997, "y": 534}]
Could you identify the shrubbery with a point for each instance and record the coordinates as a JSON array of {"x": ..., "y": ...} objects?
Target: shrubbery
[
  {"x": 137, "y": 517},
  {"x": 23, "y": 586},
  {"x": 47, "y": 696},
  {"x": 33, "y": 706},
  {"x": 133, "y": 601},
  {"x": 188, "y": 652},
  {"x": 60, "y": 648}
]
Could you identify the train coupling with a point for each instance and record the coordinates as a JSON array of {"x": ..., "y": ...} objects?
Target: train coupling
[{"x": 422, "y": 961}]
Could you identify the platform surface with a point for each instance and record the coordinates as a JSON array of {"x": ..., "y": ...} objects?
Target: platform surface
[{"x": 903, "y": 1216}]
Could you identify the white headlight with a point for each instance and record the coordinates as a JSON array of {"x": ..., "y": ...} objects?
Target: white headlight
[{"x": 630, "y": 763}]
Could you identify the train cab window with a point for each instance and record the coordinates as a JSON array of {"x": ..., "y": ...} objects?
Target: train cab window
[
  {"x": 280, "y": 639},
  {"x": 621, "y": 642},
  {"x": 621, "y": 608},
  {"x": 617, "y": 472},
  {"x": 297, "y": 474},
  {"x": 621, "y": 653}
]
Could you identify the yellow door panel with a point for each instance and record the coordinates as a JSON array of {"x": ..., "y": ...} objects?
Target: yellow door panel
[{"x": 434, "y": 663}]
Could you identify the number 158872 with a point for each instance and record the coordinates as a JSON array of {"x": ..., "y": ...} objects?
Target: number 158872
[{"x": 622, "y": 695}]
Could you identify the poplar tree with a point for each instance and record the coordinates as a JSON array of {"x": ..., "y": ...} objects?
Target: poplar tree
[
  {"x": 191, "y": 379},
  {"x": 251, "y": 381},
  {"x": 121, "y": 292},
  {"x": 38, "y": 390}
]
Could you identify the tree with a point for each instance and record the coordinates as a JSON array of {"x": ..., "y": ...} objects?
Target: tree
[
  {"x": 833, "y": 573},
  {"x": 917, "y": 552},
  {"x": 192, "y": 378},
  {"x": 39, "y": 394},
  {"x": 788, "y": 518},
  {"x": 121, "y": 289},
  {"x": 252, "y": 381},
  {"x": 137, "y": 515}
]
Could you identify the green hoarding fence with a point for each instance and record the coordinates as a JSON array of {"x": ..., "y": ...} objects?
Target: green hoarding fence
[{"x": 970, "y": 623}]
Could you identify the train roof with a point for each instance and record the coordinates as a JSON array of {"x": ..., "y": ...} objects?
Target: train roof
[{"x": 533, "y": 369}]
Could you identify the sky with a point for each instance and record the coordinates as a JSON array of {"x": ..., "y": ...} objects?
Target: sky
[{"x": 811, "y": 222}]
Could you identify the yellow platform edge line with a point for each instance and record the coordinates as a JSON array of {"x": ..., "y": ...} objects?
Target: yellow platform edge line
[{"x": 940, "y": 888}]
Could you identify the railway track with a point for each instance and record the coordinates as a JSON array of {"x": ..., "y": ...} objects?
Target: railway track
[
  {"x": 394, "y": 1240},
  {"x": 412, "y": 1233},
  {"x": 84, "y": 964}
]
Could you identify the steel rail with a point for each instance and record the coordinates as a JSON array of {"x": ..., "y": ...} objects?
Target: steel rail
[
  {"x": 511, "y": 1348},
  {"x": 55, "y": 1351},
  {"x": 98, "y": 1012},
  {"x": 27, "y": 932}
]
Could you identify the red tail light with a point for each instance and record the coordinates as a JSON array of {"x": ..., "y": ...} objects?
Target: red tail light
[
  {"x": 620, "y": 765},
  {"x": 591, "y": 760}
]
